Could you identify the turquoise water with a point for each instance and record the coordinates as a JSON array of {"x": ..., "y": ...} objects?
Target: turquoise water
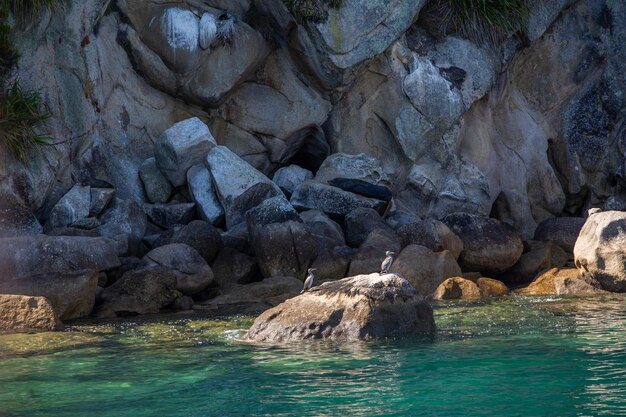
[{"x": 508, "y": 357}]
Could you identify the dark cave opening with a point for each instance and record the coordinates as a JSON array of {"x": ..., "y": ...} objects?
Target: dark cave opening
[{"x": 307, "y": 148}]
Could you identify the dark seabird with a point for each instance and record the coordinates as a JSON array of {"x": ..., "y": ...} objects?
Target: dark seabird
[
  {"x": 308, "y": 282},
  {"x": 384, "y": 267}
]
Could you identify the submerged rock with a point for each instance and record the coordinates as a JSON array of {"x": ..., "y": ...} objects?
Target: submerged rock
[
  {"x": 360, "y": 307},
  {"x": 600, "y": 251},
  {"x": 20, "y": 312}
]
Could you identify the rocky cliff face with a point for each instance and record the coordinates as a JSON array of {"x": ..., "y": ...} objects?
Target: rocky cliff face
[{"x": 529, "y": 130}]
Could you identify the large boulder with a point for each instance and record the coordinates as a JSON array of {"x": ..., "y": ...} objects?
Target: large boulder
[
  {"x": 359, "y": 167},
  {"x": 31, "y": 255},
  {"x": 280, "y": 240},
  {"x": 71, "y": 294},
  {"x": 193, "y": 274},
  {"x": 566, "y": 281},
  {"x": 327, "y": 232},
  {"x": 125, "y": 217},
  {"x": 201, "y": 236},
  {"x": 600, "y": 251},
  {"x": 536, "y": 260},
  {"x": 562, "y": 230},
  {"x": 331, "y": 200},
  {"x": 100, "y": 199},
  {"x": 239, "y": 186},
  {"x": 489, "y": 246},
  {"x": 232, "y": 267},
  {"x": 431, "y": 233},
  {"x": 360, "y": 307},
  {"x": 290, "y": 177},
  {"x": 332, "y": 263},
  {"x": 73, "y": 206},
  {"x": 144, "y": 291},
  {"x": 370, "y": 255},
  {"x": 253, "y": 298},
  {"x": 169, "y": 215},
  {"x": 182, "y": 146},
  {"x": 424, "y": 268},
  {"x": 360, "y": 222},
  {"x": 202, "y": 190},
  {"x": 158, "y": 188},
  {"x": 490, "y": 287},
  {"x": 19, "y": 312},
  {"x": 457, "y": 288}
]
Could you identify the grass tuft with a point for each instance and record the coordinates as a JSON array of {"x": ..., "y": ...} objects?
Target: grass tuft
[
  {"x": 26, "y": 11},
  {"x": 482, "y": 21},
  {"x": 21, "y": 113}
]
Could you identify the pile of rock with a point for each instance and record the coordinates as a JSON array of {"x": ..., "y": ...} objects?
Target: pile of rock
[{"x": 216, "y": 234}]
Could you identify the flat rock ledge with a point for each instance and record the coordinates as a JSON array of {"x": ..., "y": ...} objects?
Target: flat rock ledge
[{"x": 360, "y": 307}]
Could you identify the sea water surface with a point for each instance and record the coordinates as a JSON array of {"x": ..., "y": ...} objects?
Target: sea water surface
[{"x": 514, "y": 356}]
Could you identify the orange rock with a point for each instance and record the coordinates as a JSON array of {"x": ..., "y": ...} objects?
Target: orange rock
[
  {"x": 457, "y": 288},
  {"x": 561, "y": 282},
  {"x": 492, "y": 287},
  {"x": 23, "y": 312}
]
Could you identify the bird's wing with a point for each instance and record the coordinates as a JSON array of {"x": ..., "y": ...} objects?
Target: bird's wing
[
  {"x": 307, "y": 283},
  {"x": 386, "y": 264}
]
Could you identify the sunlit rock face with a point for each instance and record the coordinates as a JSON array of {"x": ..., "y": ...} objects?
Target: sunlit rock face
[{"x": 360, "y": 307}]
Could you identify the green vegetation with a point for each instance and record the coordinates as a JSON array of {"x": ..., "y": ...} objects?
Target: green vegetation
[
  {"x": 28, "y": 10},
  {"x": 21, "y": 112},
  {"x": 483, "y": 21},
  {"x": 311, "y": 10}
]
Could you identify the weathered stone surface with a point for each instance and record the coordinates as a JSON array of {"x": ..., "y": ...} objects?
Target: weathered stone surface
[
  {"x": 361, "y": 307},
  {"x": 73, "y": 206},
  {"x": 29, "y": 255},
  {"x": 332, "y": 263},
  {"x": 202, "y": 190},
  {"x": 125, "y": 218},
  {"x": 362, "y": 188},
  {"x": 331, "y": 200},
  {"x": 370, "y": 255},
  {"x": 600, "y": 251},
  {"x": 537, "y": 260},
  {"x": 489, "y": 246},
  {"x": 169, "y": 215},
  {"x": 327, "y": 232},
  {"x": 424, "y": 268},
  {"x": 432, "y": 234},
  {"x": 562, "y": 230},
  {"x": 232, "y": 267},
  {"x": 144, "y": 291},
  {"x": 360, "y": 222},
  {"x": 289, "y": 178},
  {"x": 192, "y": 272},
  {"x": 16, "y": 219},
  {"x": 88, "y": 223},
  {"x": 71, "y": 294},
  {"x": 457, "y": 288},
  {"x": 100, "y": 199},
  {"x": 158, "y": 188},
  {"x": 201, "y": 236},
  {"x": 360, "y": 167},
  {"x": 491, "y": 287},
  {"x": 239, "y": 186},
  {"x": 182, "y": 146},
  {"x": 19, "y": 312},
  {"x": 253, "y": 298},
  {"x": 562, "y": 282},
  {"x": 280, "y": 240}
]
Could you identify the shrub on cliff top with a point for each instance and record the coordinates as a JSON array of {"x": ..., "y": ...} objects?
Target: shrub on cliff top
[
  {"x": 27, "y": 10},
  {"x": 483, "y": 21}
]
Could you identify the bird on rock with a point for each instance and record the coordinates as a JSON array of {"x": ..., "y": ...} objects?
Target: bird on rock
[
  {"x": 308, "y": 282},
  {"x": 384, "y": 267}
]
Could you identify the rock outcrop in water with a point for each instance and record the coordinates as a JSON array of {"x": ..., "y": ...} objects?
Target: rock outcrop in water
[{"x": 360, "y": 307}]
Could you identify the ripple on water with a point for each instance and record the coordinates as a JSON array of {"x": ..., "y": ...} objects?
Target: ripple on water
[{"x": 515, "y": 356}]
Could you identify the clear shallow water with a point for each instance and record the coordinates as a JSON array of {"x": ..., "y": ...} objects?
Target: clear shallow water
[{"x": 508, "y": 357}]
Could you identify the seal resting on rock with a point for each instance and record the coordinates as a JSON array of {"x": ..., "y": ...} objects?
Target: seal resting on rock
[{"x": 359, "y": 307}]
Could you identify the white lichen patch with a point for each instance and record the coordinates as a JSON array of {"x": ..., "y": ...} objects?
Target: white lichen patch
[
  {"x": 208, "y": 30},
  {"x": 180, "y": 27}
]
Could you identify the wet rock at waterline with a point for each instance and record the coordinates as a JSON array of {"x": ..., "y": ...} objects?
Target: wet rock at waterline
[
  {"x": 21, "y": 312},
  {"x": 489, "y": 246},
  {"x": 566, "y": 281},
  {"x": 600, "y": 251},
  {"x": 360, "y": 307},
  {"x": 457, "y": 288}
]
